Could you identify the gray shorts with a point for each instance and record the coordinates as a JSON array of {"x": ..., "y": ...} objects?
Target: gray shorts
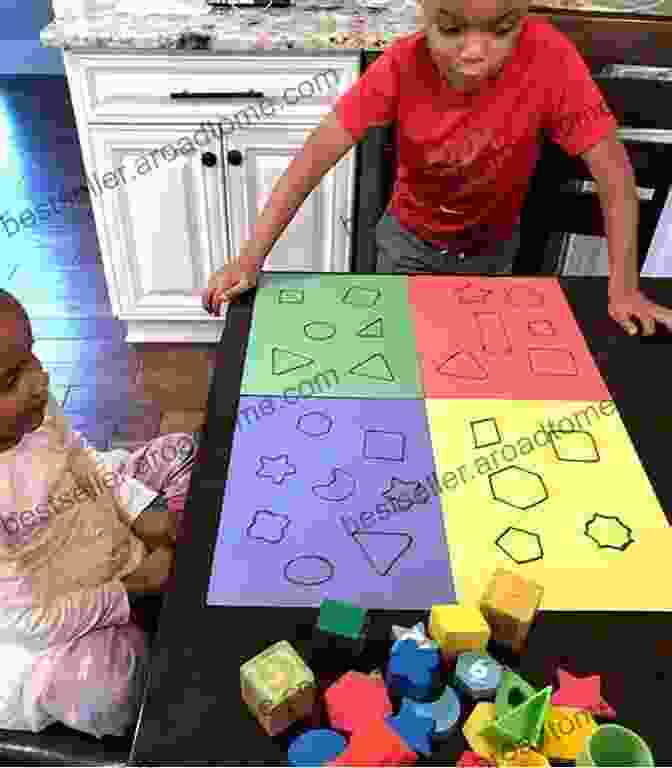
[{"x": 399, "y": 250}]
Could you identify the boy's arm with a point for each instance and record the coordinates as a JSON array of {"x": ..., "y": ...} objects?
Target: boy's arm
[
  {"x": 610, "y": 166},
  {"x": 325, "y": 146}
]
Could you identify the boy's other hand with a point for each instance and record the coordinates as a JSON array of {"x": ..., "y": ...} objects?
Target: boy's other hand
[
  {"x": 227, "y": 283},
  {"x": 152, "y": 575},
  {"x": 625, "y": 306}
]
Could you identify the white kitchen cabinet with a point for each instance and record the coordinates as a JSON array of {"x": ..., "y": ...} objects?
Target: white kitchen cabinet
[
  {"x": 317, "y": 239},
  {"x": 171, "y": 208}
]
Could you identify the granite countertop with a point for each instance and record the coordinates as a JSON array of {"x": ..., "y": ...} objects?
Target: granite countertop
[{"x": 250, "y": 29}]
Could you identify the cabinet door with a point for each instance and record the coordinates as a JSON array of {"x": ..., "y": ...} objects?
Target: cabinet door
[
  {"x": 159, "y": 216},
  {"x": 318, "y": 238}
]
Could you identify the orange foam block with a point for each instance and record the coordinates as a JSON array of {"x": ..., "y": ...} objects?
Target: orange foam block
[
  {"x": 354, "y": 699},
  {"x": 376, "y": 744}
]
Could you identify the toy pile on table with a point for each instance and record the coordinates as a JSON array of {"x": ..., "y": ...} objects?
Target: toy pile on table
[{"x": 511, "y": 723}]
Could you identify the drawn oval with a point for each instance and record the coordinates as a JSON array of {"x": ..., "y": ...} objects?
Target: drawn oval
[
  {"x": 309, "y": 570},
  {"x": 315, "y": 424},
  {"x": 318, "y": 331}
]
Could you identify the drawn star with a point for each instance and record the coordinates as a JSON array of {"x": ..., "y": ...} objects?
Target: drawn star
[
  {"x": 409, "y": 492},
  {"x": 469, "y": 294},
  {"x": 415, "y": 633},
  {"x": 276, "y": 467},
  {"x": 609, "y": 535},
  {"x": 415, "y": 729},
  {"x": 581, "y": 692}
]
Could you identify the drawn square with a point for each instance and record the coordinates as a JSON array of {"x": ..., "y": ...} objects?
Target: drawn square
[
  {"x": 485, "y": 433},
  {"x": 384, "y": 446}
]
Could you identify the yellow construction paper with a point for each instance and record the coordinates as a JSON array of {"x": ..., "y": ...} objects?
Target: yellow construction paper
[{"x": 518, "y": 491}]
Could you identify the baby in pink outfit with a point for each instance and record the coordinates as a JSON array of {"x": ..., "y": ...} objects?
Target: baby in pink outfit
[{"x": 81, "y": 537}]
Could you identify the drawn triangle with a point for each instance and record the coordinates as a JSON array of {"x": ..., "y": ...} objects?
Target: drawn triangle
[
  {"x": 512, "y": 692},
  {"x": 463, "y": 365},
  {"x": 524, "y": 723},
  {"x": 373, "y": 330},
  {"x": 374, "y": 367},
  {"x": 383, "y": 549},
  {"x": 285, "y": 361}
]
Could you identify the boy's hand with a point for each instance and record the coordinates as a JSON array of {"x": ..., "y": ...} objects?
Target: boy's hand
[
  {"x": 624, "y": 306},
  {"x": 156, "y": 526},
  {"x": 227, "y": 283},
  {"x": 152, "y": 575}
]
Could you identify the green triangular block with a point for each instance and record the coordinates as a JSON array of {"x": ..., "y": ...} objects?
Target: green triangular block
[
  {"x": 512, "y": 692},
  {"x": 524, "y": 723}
]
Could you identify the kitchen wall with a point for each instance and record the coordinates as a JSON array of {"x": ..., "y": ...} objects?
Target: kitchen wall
[{"x": 21, "y": 52}]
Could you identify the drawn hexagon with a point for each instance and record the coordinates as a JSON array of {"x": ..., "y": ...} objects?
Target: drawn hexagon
[
  {"x": 520, "y": 545},
  {"x": 518, "y": 487}
]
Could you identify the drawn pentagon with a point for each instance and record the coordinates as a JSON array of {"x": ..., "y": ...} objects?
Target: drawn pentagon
[
  {"x": 518, "y": 487},
  {"x": 521, "y": 546}
]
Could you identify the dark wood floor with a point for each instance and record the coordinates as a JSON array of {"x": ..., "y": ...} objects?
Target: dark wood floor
[{"x": 54, "y": 268}]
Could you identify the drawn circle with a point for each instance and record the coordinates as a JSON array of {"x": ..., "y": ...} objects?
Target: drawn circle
[
  {"x": 318, "y": 331},
  {"x": 307, "y": 579},
  {"x": 314, "y": 424}
]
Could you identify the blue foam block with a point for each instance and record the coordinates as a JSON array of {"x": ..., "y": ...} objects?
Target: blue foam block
[
  {"x": 414, "y": 728},
  {"x": 445, "y": 711},
  {"x": 412, "y": 671},
  {"x": 316, "y": 747}
]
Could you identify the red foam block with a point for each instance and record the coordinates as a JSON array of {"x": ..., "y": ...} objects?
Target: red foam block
[
  {"x": 355, "y": 699},
  {"x": 376, "y": 744}
]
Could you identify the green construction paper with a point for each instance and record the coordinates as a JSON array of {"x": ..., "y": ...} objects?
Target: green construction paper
[
  {"x": 524, "y": 723},
  {"x": 305, "y": 340},
  {"x": 511, "y": 684}
]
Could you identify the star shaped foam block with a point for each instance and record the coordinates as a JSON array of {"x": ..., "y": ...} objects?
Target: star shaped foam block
[
  {"x": 412, "y": 671},
  {"x": 416, "y": 633},
  {"x": 581, "y": 692},
  {"x": 415, "y": 729}
]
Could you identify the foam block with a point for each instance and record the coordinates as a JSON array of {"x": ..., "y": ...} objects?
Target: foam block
[
  {"x": 354, "y": 699},
  {"x": 445, "y": 711},
  {"x": 377, "y": 744},
  {"x": 471, "y": 759},
  {"x": 524, "y": 723},
  {"x": 458, "y": 628},
  {"x": 509, "y": 605},
  {"x": 512, "y": 692},
  {"x": 482, "y": 715},
  {"x": 316, "y": 747},
  {"x": 521, "y": 757},
  {"x": 412, "y": 671},
  {"x": 565, "y": 732},
  {"x": 341, "y": 625},
  {"x": 413, "y": 727},
  {"x": 478, "y": 675},
  {"x": 278, "y": 687}
]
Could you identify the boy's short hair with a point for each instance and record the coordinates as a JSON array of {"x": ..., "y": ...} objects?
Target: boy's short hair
[{"x": 10, "y": 306}]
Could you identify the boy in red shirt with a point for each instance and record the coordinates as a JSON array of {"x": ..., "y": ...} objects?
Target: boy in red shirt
[{"x": 470, "y": 95}]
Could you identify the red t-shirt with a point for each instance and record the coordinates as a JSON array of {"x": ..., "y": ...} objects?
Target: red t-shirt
[{"x": 475, "y": 153}]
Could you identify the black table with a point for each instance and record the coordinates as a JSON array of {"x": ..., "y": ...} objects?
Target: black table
[{"x": 193, "y": 712}]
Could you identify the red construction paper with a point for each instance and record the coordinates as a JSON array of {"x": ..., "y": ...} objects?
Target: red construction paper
[{"x": 501, "y": 338}]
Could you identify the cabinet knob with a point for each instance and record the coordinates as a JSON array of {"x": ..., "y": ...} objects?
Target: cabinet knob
[
  {"x": 235, "y": 157},
  {"x": 209, "y": 159}
]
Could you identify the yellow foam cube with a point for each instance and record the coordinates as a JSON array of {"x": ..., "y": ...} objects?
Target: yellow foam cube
[
  {"x": 458, "y": 628},
  {"x": 565, "y": 732},
  {"x": 482, "y": 715}
]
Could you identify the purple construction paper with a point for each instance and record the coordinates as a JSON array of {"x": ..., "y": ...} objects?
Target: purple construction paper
[{"x": 289, "y": 538}]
